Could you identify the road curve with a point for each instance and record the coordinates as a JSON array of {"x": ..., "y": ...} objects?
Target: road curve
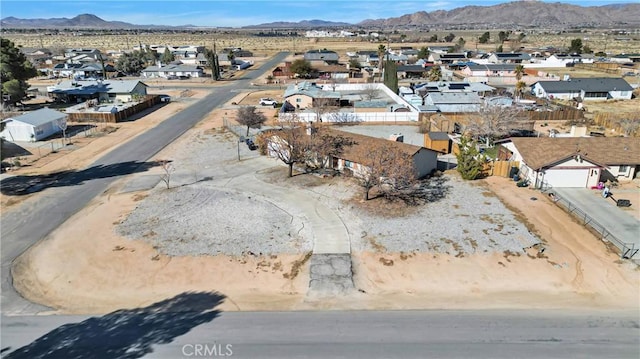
[{"x": 38, "y": 216}]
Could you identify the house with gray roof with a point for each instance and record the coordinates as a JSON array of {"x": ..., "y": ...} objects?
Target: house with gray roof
[
  {"x": 587, "y": 89},
  {"x": 33, "y": 126},
  {"x": 164, "y": 71},
  {"x": 454, "y": 102},
  {"x": 453, "y": 86},
  {"x": 72, "y": 91},
  {"x": 327, "y": 56},
  {"x": 306, "y": 95},
  {"x": 509, "y": 57},
  {"x": 489, "y": 70}
]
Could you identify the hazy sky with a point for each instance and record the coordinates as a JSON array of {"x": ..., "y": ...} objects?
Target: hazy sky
[{"x": 236, "y": 13}]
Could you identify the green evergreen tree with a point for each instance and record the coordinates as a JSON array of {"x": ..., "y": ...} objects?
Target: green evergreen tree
[
  {"x": 469, "y": 160},
  {"x": 391, "y": 75},
  {"x": 15, "y": 70},
  {"x": 167, "y": 56}
]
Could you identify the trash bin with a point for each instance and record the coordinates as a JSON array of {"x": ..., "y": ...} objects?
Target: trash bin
[{"x": 514, "y": 171}]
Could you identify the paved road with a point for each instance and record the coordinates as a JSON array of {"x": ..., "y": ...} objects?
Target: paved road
[
  {"x": 34, "y": 219},
  {"x": 393, "y": 334},
  {"x": 620, "y": 224}
]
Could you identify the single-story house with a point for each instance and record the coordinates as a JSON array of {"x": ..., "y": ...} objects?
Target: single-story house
[
  {"x": 509, "y": 57},
  {"x": 173, "y": 70},
  {"x": 327, "y": 56},
  {"x": 448, "y": 86},
  {"x": 424, "y": 159},
  {"x": 413, "y": 71},
  {"x": 454, "y": 102},
  {"x": 489, "y": 70},
  {"x": 282, "y": 70},
  {"x": 602, "y": 88},
  {"x": 304, "y": 94},
  {"x": 562, "y": 60},
  {"x": 575, "y": 161},
  {"x": 104, "y": 91},
  {"x": 337, "y": 72},
  {"x": 33, "y": 126},
  {"x": 92, "y": 53},
  {"x": 448, "y": 58}
]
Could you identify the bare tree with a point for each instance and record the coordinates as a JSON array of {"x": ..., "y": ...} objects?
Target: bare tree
[
  {"x": 629, "y": 126},
  {"x": 290, "y": 143},
  {"x": 343, "y": 118},
  {"x": 62, "y": 125},
  {"x": 492, "y": 122},
  {"x": 248, "y": 116},
  {"x": 322, "y": 106},
  {"x": 168, "y": 169},
  {"x": 385, "y": 166},
  {"x": 370, "y": 91},
  {"x": 435, "y": 74},
  {"x": 325, "y": 146}
]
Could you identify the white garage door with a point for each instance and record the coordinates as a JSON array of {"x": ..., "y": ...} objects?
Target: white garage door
[{"x": 567, "y": 177}]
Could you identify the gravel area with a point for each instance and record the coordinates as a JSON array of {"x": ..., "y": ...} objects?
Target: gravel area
[
  {"x": 196, "y": 220},
  {"x": 467, "y": 219},
  {"x": 201, "y": 219}
]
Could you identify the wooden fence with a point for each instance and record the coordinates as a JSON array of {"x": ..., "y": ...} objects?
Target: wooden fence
[
  {"x": 612, "y": 121},
  {"x": 500, "y": 168},
  {"x": 120, "y": 116}
]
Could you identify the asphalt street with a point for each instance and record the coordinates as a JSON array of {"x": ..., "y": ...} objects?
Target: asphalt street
[
  {"x": 38, "y": 216},
  {"x": 333, "y": 334}
]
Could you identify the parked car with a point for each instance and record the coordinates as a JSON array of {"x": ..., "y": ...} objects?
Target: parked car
[
  {"x": 165, "y": 98},
  {"x": 252, "y": 146},
  {"x": 268, "y": 102},
  {"x": 172, "y": 77}
]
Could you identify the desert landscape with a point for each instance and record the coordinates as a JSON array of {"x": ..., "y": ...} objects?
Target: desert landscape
[{"x": 483, "y": 244}]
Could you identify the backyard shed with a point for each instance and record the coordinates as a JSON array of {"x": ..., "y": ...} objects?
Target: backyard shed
[{"x": 437, "y": 141}]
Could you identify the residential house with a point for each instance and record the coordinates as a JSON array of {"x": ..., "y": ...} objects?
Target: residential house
[
  {"x": 413, "y": 71},
  {"x": 508, "y": 57},
  {"x": 103, "y": 91},
  {"x": 368, "y": 57},
  {"x": 625, "y": 58},
  {"x": 489, "y": 70},
  {"x": 602, "y": 88},
  {"x": 326, "y": 56},
  {"x": 448, "y": 86},
  {"x": 439, "y": 49},
  {"x": 454, "y": 102},
  {"x": 575, "y": 161},
  {"x": 33, "y": 126},
  {"x": 306, "y": 95},
  {"x": 282, "y": 70},
  {"x": 172, "y": 70},
  {"x": 79, "y": 71},
  {"x": 447, "y": 58},
  {"x": 564, "y": 60},
  {"x": 95, "y": 54},
  {"x": 352, "y": 158},
  {"x": 333, "y": 72}
]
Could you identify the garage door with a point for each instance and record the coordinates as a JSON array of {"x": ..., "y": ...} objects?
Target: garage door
[{"x": 567, "y": 177}]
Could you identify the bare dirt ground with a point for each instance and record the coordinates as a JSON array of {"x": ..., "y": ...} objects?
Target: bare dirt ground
[{"x": 86, "y": 267}]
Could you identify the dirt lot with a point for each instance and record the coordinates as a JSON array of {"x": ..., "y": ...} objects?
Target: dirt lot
[{"x": 89, "y": 268}]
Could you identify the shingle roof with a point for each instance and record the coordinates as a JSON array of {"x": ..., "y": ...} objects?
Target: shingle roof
[
  {"x": 492, "y": 67},
  {"x": 545, "y": 151},
  {"x": 90, "y": 87},
  {"x": 438, "y": 136},
  {"x": 355, "y": 154},
  {"x": 40, "y": 117},
  {"x": 182, "y": 68},
  {"x": 596, "y": 84}
]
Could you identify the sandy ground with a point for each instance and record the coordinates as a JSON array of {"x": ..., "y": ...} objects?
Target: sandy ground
[{"x": 85, "y": 267}]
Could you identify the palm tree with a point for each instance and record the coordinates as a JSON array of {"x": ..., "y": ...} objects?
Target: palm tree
[
  {"x": 520, "y": 86},
  {"x": 381, "y": 51},
  {"x": 435, "y": 74},
  {"x": 519, "y": 72}
]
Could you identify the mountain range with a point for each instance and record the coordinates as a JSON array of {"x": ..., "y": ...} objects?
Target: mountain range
[{"x": 519, "y": 13}]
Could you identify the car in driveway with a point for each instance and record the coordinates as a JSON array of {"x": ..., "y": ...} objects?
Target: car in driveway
[{"x": 268, "y": 102}]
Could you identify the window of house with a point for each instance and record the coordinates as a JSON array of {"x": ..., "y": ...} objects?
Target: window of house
[
  {"x": 623, "y": 168},
  {"x": 348, "y": 164},
  {"x": 298, "y": 100}
]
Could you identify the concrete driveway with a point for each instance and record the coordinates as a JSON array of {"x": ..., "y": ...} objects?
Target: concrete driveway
[{"x": 615, "y": 220}]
